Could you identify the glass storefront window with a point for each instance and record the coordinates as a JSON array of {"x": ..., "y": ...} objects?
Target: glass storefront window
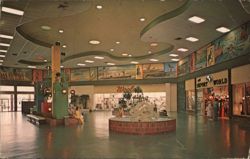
[
  {"x": 7, "y": 88},
  {"x": 241, "y": 99},
  {"x": 25, "y": 89},
  {"x": 190, "y": 100}
]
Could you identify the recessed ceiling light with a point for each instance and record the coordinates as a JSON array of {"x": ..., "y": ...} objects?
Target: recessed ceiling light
[
  {"x": 111, "y": 50},
  {"x": 124, "y": 54},
  {"x": 117, "y": 42},
  {"x": 2, "y": 55},
  {"x": 142, "y": 19},
  {"x": 153, "y": 60},
  {"x": 31, "y": 66},
  {"x": 223, "y": 29},
  {"x": 98, "y": 7},
  {"x": 130, "y": 55},
  {"x": 99, "y": 57},
  {"x": 62, "y": 66},
  {"x": 162, "y": 0},
  {"x": 173, "y": 55},
  {"x": 175, "y": 59},
  {"x": 111, "y": 64},
  {"x": 81, "y": 64},
  {"x": 12, "y": 11},
  {"x": 89, "y": 61},
  {"x": 3, "y": 50},
  {"x": 6, "y": 36},
  {"x": 45, "y": 27},
  {"x": 45, "y": 60},
  {"x": 154, "y": 44},
  {"x": 149, "y": 52},
  {"x": 1, "y": 60},
  {"x": 1, "y": 64},
  {"x": 60, "y": 31},
  {"x": 196, "y": 19},
  {"x": 94, "y": 42},
  {"x": 134, "y": 62},
  {"x": 192, "y": 39},
  {"x": 182, "y": 49},
  {"x": 4, "y": 44},
  {"x": 64, "y": 46}
]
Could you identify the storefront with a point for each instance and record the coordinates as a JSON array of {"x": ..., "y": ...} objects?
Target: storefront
[
  {"x": 190, "y": 95},
  {"x": 212, "y": 87},
  {"x": 108, "y": 97},
  {"x": 241, "y": 90}
]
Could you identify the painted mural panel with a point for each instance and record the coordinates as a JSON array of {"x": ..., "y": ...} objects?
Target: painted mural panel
[
  {"x": 37, "y": 75},
  {"x": 139, "y": 72},
  {"x": 153, "y": 70},
  {"x": 201, "y": 58},
  {"x": 192, "y": 62},
  {"x": 93, "y": 73},
  {"x": 81, "y": 74},
  {"x": 210, "y": 56},
  {"x": 16, "y": 74},
  {"x": 170, "y": 69},
  {"x": 66, "y": 74},
  {"x": 117, "y": 72},
  {"x": 235, "y": 43},
  {"x": 183, "y": 66}
]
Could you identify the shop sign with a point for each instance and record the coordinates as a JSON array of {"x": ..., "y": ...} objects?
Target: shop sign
[
  {"x": 204, "y": 82},
  {"x": 121, "y": 89},
  {"x": 220, "y": 81}
]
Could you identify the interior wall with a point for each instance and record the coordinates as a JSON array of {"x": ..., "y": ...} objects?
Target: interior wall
[
  {"x": 241, "y": 74},
  {"x": 190, "y": 84}
]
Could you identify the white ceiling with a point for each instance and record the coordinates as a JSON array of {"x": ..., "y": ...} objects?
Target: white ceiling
[{"x": 118, "y": 20}]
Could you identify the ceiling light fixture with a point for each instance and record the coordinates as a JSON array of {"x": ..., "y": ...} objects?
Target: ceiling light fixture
[
  {"x": 31, "y": 66},
  {"x": 192, "y": 39},
  {"x": 81, "y": 64},
  {"x": 60, "y": 31},
  {"x": 1, "y": 60},
  {"x": 98, "y": 7},
  {"x": 1, "y": 64},
  {"x": 111, "y": 64},
  {"x": 182, "y": 49},
  {"x": 149, "y": 52},
  {"x": 4, "y": 44},
  {"x": 134, "y": 62},
  {"x": 173, "y": 55},
  {"x": 117, "y": 42},
  {"x": 2, "y": 55},
  {"x": 130, "y": 55},
  {"x": 6, "y": 36},
  {"x": 64, "y": 46},
  {"x": 62, "y": 66},
  {"x": 94, "y": 42},
  {"x": 196, "y": 19},
  {"x": 12, "y": 11},
  {"x": 223, "y": 29},
  {"x": 154, "y": 44},
  {"x": 175, "y": 59},
  {"x": 124, "y": 54},
  {"x": 99, "y": 57},
  {"x": 112, "y": 50},
  {"x": 3, "y": 50},
  {"x": 142, "y": 19},
  {"x": 45, "y": 27},
  {"x": 153, "y": 60},
  {"x": 45, "y": 60},
  {"x": 89, "y": 61}
]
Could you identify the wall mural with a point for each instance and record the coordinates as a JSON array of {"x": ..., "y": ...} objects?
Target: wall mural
[
  {"x": 183, "y": 66},
  {"x": 16, "y": 74},
  {"x": 117, "y": 72},
  {"x": 201, "y": 58},
  {"x": 93, "y": 73},
  {"x": 233, "y": 44},
  {"x": 81, "y": 74},
  {"x": 153, "y": 70},
  {"x": 139, "y": 72},
  {"x": 170, "y": 69}
]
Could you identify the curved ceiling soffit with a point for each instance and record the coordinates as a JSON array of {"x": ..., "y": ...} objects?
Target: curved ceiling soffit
[
  {"x": 33, "y": 63},
  {"x": 153, "y": 23},
  {"x": 107, "y": 54},
  {"x": 166, "y": 16}
]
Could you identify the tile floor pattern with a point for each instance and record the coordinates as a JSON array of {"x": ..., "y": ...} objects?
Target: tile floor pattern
[{"x": 195, "y": 137}]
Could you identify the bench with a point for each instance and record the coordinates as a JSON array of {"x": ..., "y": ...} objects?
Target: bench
[{"x": 35, "y": 119}]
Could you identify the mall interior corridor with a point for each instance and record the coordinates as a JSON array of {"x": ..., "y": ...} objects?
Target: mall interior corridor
[{"x": 195, "y": 137}]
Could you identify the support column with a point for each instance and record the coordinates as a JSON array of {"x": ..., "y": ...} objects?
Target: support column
[{"x": 59, "y": 88}]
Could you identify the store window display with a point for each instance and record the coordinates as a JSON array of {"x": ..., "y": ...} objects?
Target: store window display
[{"x": 241, "y": 99}]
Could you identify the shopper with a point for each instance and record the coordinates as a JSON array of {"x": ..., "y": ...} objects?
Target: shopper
[
  {"x": 78, "y": 115},
  {"x": 216, "y": 107}
]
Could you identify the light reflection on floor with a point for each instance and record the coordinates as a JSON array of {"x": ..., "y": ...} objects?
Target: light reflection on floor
[{"x": 195, "y": 137}]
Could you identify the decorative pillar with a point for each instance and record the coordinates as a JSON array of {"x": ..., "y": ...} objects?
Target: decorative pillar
[{"x": 59, "y": 87}]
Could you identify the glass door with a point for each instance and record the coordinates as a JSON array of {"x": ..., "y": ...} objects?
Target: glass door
[
  {"x": 7, "y": 102},
  {"x": 23, "y": 97}
]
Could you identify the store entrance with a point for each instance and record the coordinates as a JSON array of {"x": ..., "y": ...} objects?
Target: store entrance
[{"x": 7, "y": 102}]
